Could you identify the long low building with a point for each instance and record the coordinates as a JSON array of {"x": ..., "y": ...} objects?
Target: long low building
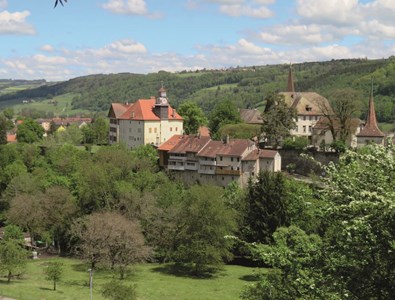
[{"x": 194, "y": 158}]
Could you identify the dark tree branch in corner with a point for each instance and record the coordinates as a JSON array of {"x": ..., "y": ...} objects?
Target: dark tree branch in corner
[{"x": 60, "y": 1}]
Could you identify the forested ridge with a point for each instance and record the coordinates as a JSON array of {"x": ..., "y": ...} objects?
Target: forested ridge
[{"x": 246, "y": 86}]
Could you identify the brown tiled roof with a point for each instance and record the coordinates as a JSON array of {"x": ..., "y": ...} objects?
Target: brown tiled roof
[
  {"x": 170, "y": 143},
  {"x": 371, "y": 129},
  {"x": 204, "y": 131},
  {"x": 190, "y": 143},
  {"x": 11, "y": 138},
  {"x": 211, "y": 149},
  {"x": 251, "y": 116},
  {"x": 306, "y": 103},
  {"x": 142, "y": 110},
  {"x": 260, "y": 153},
  {"x": 235, "y": 147}
]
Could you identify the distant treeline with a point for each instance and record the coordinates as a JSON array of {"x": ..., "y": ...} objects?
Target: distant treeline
[{"x": 247, "y": 86}]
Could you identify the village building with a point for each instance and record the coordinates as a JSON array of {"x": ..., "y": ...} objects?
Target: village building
[
  {"x": 370, "y": 132},
  {"x": 310, "y": 107},
  {"x": 251, "y": 116},
  {"x": 195, "y": 158},
  {"x": 146, "y": 121}
]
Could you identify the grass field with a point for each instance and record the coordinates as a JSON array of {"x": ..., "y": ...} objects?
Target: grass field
[
  {"x": 153, "y": 282},
  {"x": 63, "y": 106}
]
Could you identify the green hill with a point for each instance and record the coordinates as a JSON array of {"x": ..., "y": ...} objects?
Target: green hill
[{"x": 246, "y": 86}]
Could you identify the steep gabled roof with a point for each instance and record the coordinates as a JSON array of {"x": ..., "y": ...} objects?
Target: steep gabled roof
[
  {"x": 251, "y": 116},
  {"x": 235, "y": 147},
  {"x": 371, "y": 129},
  {"x": 211, "y": 149},
  {"x": 260, "y": 153},
  {"x": 306, "y": 103},
  {"x": 141, "y": 110}
]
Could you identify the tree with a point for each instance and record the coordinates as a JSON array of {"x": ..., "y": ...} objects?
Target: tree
[
  {"x": 115, "y": 290},
  {"x": 53, "y": 272},
  {"x": 13, "y": 232},
  {"x": 204, "y": 221},
  {"x": 224, "y": 112},
  {"x": 278, "y": 119},
  {"x": 193, "y": 117},
  {"x": 29, "y": 132},
  {"x": 267, "y": 207},
  {"x": 3, "y": 130},
  {"x": 344, "y": 105},
  {"x": 101, "y": 128},
  {"x": 111, "y": 239},
  {"x": 13, "y": 258}
]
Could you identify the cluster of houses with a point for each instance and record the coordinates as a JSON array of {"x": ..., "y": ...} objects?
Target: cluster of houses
[{"x": 197, "y": 158}]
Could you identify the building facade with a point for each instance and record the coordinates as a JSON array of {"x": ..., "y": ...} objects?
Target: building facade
[
  {"x": 147, "y": 121},
  {"x": 193, "y": 159}
]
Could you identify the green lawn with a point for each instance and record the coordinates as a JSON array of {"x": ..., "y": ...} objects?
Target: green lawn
[
  {"x": 63, "y": 106},
  {"x": 153, "y": 281}
]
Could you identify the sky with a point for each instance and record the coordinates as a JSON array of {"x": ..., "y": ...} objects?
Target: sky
[{"x": 86, "y": 37}]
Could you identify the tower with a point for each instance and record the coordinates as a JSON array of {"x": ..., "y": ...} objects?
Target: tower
[
  {"x": 161, "y": 108},
  {"x": 370, "y": 132}
]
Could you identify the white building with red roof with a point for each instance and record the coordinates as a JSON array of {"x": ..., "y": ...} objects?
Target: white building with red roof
[{"x": 146, "y": 121}]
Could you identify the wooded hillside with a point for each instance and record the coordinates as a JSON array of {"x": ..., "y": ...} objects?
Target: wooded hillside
[{"x": 246, "y": 86}]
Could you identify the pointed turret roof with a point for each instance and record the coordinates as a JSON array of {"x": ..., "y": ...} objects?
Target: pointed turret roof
[
  {"x": 371, "y": 129},
  {"x": 291, "y": 85}
]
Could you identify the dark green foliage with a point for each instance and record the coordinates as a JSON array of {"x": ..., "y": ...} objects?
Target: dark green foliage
[
  {"x": 224, "y": 113},
  {"x": 116, "y": 290},
  {"x": 295, "y": 143},
  {"x": 53, "y": 272},
  {"x": 278, "y": 119},
  {"x": 193, "y": 117},
  {"x": 13, "y": 232},
  {"x": 204, "y": 223},
  {"x": 266, "y": 208},
  {"x": 240, "y": 131},
  {"x": 3, "y": 130},
  {"x": 29, "y": 132}
]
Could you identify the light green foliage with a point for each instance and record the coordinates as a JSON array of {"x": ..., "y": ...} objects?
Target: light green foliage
[
  {"x": 12, "y": 258},
  {"x": 13, "y": 232},
  {"x": 100, "y": 127},
  {"x": 53, "y": 272},
  {"x": 240, "y": 131},
  {"x": 225, "y": 112},
  {"x": 193, "y": 117},
  {"x": 145, "y": 158},
  {"x": 361, "y": 221},
  {"x": 72, "y": 135},
  {"x": 29, "y": 132},
  {"x": 205, "y": 221},
  {"x": 116, "y": 290},
  {"x": 278, "y": 119},
  {"x": 297, "y": 258}
]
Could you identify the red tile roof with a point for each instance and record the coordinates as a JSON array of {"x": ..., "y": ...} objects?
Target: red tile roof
[
  {"x": 211, "y": 149},
  {"x": 190, "y": 143},
  {"x": 170, "y": 143},
  {"x": 142, "y": 110},
  {"x": 371, "y": 129},
  {"x": 235, "y": 147},
  {"x": 11, "y": 138},
  {"x": 204, "y": 131}
]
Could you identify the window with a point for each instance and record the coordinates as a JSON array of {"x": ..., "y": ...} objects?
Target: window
[
  {"x": 309, "y": 128},
  {"x": 296, "y": 128},
  {"x": 171, "y": 128},
  {"x": 223, "y": 178},
  {"x": 310, "y": 118},
  {"x": 231, "y": 159},
  {"x": 220, "y": 158},
  {"x": 304, "y": 128},
  {"x": 139, "y": 130},
  {"x": 176, "y": 128},
  {"x": 304, "y": 118},
  {"x": 238, "y": 159},
  {"x": 150, "y": 130}
]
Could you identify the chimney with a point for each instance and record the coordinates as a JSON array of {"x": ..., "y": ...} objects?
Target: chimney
[{"x": 132, "y": 115}]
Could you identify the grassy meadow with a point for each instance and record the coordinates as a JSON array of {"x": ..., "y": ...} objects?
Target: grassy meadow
[{"x": 154, "y": 281}]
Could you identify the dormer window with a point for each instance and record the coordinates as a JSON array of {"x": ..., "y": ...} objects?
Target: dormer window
[{"x": 308, "y": 108}]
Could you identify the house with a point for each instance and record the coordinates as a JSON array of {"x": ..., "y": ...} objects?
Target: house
[
  {"x": 194, "y": 158},
  {"x": 370, "y": 132},
  {"x": 147, "y": 121},
  {"x": 310, "y": 107},
  {"x": 322, "y": 134},
  {"x": 251, "y": 116}
]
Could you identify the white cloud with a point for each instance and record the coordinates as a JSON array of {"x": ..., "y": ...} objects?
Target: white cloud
[
  {"x": 128, "y": 46},
  {"x": 47, "y": 48},
  {"x": 15, "y": 23},
  {"x": 129, "y": 7},
  {"x": 236, "y": 10}
]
